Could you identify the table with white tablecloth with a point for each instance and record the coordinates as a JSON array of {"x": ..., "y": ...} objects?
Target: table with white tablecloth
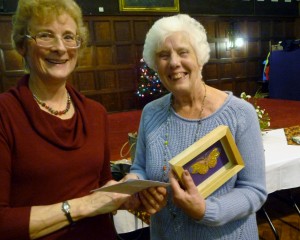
[{"x": 282, "y": 161}]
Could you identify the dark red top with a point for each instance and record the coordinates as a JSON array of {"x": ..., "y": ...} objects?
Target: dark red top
[{"x": 46, "y": 160}]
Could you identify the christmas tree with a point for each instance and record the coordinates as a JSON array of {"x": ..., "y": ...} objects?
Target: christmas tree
[{"x": 149, "y": 84}]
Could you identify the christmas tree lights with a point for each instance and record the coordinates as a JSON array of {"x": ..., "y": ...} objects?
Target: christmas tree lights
[{"x": 149, "y": 84}]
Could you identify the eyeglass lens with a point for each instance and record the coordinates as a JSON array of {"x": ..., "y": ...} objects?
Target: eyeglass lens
[{"x": 49, "y": 39}]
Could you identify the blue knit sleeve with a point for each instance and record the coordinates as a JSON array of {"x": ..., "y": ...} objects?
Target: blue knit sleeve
[
  {"x": 139, "y": 163},
  {"x": 154, "y": 113},
  {"x": 245, "y": 193}
]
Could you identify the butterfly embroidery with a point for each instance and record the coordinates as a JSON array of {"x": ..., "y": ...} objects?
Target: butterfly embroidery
[{"x": 207, "y": 162}]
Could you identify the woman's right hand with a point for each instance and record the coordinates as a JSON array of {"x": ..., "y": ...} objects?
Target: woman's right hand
[
  {"x": 153, "y": 199},
  {"x": 104, "y": 202},
  {"x": 187, "y": 197}
]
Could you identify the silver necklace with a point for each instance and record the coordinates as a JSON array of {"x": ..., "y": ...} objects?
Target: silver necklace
[{"x": 167, "y": 129}]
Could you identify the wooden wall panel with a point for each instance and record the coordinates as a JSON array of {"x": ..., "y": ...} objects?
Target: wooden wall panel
[
  {"x": 104, "y": 56},
  {"x": 127, "y": 78},
  {"x": 106, "y": 80},
  {"x": 125, "y": 54},
  {"x": 102, "y": 32},
  {"x": 225, "y": 70},
  {"x": 239, "y": 69},
  {"x": 122, "y": 31},
  {"x": 240, "y": 53},
  {"x": 297, "y": 27},
  {"x": 253, "y": 68},
  {"x": 86, "y": 81},
  {"x": 140, "y": 29},
  {"x": 210, "y": 71},
  {"x": 253, "y": 28},
  {"x": 279, "y": 29},
  {"x": 86, "y": 58},
  {"x": 266, "y": 29},
  {"x": 254, "y": 49}
]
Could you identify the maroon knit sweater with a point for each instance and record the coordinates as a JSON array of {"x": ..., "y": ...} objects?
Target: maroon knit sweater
[{"x": 46, "y": 160}]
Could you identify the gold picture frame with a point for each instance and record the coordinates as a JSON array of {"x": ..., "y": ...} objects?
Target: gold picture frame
[
  {"x": 211, "y": 161},
  {"x": 149, "y": 5}
]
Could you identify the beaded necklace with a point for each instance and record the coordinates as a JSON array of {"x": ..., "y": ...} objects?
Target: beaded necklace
[
  {"x": 167, "y": 129},
  {"x": 50, "y": 109}
]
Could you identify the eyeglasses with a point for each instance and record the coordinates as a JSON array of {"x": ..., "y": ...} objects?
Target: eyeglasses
[{"x": 47, "y": 40}]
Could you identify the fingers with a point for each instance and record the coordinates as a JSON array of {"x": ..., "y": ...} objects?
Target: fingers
[
  {"x": 162, "y": 190},
  {"x": 188, "y": 181},
  {"x": 114, "y": 212},
  {"x": 132, "y": 203},
  {"x": 109, "y": 183},
  {"x": 129, "y": 176},
  {"x": 176, "y": 188},
  {"x": 153, "y": 199}
]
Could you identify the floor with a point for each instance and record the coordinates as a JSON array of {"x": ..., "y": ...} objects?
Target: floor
[{"x": 283, "y": 215}]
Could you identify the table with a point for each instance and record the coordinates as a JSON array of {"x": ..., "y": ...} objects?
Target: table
[
  {"x": 127, "y": 222},
  {"x": 282, "y": 160}
]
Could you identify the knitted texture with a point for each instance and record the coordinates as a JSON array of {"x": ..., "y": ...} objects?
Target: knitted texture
[{"x": 230, "y": 210}]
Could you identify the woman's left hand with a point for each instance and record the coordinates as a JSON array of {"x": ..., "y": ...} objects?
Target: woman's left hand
[{"x": 188, "y": 199}]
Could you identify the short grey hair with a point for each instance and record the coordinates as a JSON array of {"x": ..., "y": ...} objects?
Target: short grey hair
[{"x": 166, "y": 26}]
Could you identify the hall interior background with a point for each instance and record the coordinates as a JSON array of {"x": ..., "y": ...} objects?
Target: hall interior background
[{"x": 109, "y": 68}]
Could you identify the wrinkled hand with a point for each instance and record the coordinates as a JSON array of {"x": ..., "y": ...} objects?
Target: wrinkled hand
[
  {"x": 153, "y": 199},
  {"x": 188, "y": 199},
  {"x": 132, "y": 203},
  {"x": 129, "y": 176},
  {"x": 103, "y": 202},
  {"x": 150, "y": 200}
]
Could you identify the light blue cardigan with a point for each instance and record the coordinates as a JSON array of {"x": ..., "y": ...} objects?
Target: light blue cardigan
[{"x": 230, "y": 210}]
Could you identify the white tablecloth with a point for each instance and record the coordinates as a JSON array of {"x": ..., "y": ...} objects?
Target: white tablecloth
[
  {"x": 282, "y": 161},
  {"x": 126, "y": 222}
]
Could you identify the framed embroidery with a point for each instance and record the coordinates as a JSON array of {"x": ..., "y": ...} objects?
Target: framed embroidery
[
  {"x": 211, "y": 161},
  {"x": 149, "y": 5}
]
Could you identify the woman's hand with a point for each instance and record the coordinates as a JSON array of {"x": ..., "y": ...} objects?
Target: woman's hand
[
  {"x": 188, "y": 199},
  {"x": 129, "y": 176},
  {"x": 150, "y": 200},
  {"x": 103, "y": 202},
  {"x": 153, "y": 199}
]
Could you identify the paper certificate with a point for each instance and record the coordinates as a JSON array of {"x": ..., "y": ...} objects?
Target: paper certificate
[{"x": 131, "y": 186}]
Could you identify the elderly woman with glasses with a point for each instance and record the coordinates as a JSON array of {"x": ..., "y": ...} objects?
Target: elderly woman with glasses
[{"x": 54, "y": 141}]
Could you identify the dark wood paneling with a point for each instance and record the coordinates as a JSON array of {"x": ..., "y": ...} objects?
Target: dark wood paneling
[
  {"x": 280, "y": 8},
  {"x": 217, "y": 7},
  {"x": 9, "y": 6},
  {"x": 91, "y": 7},
  {"x": 108, "y": 69},
  {"x": 211, "y": 7}
]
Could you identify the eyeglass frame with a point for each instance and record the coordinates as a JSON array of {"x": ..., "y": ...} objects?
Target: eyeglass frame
[{"x": 77, "y": 38}]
